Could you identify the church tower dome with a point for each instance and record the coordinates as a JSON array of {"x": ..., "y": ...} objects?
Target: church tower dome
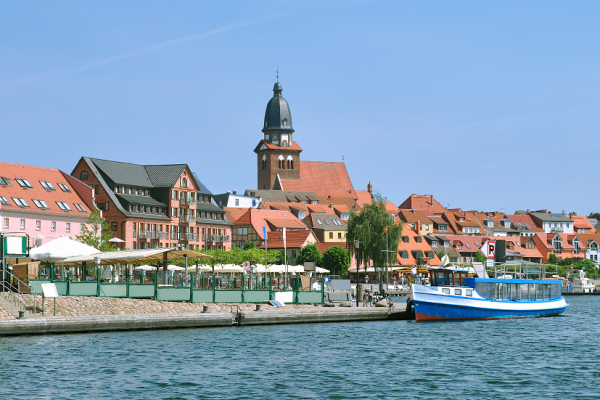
[{"x": 278, "y": 117}]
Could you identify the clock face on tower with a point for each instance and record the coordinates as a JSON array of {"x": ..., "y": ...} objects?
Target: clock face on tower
[{"x": 275, "y": 138}]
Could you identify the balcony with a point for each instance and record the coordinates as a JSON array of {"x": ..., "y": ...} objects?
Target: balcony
[
  {"x": 146, "y": 234},
  {"x": 186, "y": 201},
  {"x": 189, "y": 237},
  {"x": 162, "y": 235},
  {"x": 557, "y": 230},
  {"x": 185, "y": 219}
]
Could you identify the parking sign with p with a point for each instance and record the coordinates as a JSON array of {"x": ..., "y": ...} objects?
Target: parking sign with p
[{"x": 491, "y": 249}]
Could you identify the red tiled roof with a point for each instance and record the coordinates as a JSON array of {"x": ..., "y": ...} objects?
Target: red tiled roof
[
  {"x": 423, "y": 202},
  {"x": 326, "y": 179},
  {"x": 412, "y": 247},
  {"x": 581, "y": 222},
  {"x": 525, "y": 220},
  {"x": 233, "y": 214},
  {"x": 34, "y": 175},
  {"x": 294, "y": 239},
  {"x": 324, "y": 246},
  {"x": 272, "y": 219},
  {"x": 272, "y": 146},
  {"x": 363, "y": 197}
]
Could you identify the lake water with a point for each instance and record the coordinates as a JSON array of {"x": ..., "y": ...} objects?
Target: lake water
[{"x": 551, "y": 358}]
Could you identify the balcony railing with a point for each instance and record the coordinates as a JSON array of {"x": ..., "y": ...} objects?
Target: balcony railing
[
  {"x": 185, "y": 218},
  {"x": 186, "y": 200},
  {"x": 557, "y": 230},
  {"x": 147, "y": 234},
  {"x": 162, "y": 235}
]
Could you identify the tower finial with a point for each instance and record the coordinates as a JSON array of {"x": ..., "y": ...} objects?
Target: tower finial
[{"x": 277, "y": 74}]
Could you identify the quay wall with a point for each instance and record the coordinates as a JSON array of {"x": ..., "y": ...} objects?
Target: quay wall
[{"x": 59, "y": 325}]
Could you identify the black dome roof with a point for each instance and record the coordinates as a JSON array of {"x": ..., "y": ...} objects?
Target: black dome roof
[{"x": 277, "y": 116}]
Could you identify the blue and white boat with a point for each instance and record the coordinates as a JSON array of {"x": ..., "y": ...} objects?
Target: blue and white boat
[{"x": 454, "y": 296}]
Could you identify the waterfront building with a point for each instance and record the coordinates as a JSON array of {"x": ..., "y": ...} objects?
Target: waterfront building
[
  {"x": 279, "y": 167},
  {"x": 414, "y": 250},
  {"x": 591, "y": 241},
  {"x": 563, "y": 245},
  {"x": 284, "y": 196},
  {"x": 151, "y": 206},
  {"x": 581, "y": 224},
  {"x": 553, "y": 223},
  {"x": 417, "y": 220},
  {"x": 232, "y": 199},
  {"x": 439, "y": 244},
  {"x": 425, "y": 203},
  {"x": 43, "y": 203},
  {"x": 525, "y": 225}
]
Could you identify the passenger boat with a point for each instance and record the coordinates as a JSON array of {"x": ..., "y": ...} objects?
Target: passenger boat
[{"x": 454, "y": 296}]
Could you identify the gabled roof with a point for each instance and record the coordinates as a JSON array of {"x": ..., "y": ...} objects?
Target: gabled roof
[
  {"x": 326, "y": 222},
  {"x": 412, "y": 248},
  {"x": 34, "y": 175},
  {"x": 414, "y": 216},
  {"x": 424, "y": 203},
  {"x": 201, "y": 187},
  {"x": 284, "y": 196},
  {"x": 264, "y": 145},
  {"x": 363, "y": 197},
  {"x": 524, "y": 223},
  {"x": 272, "y": 219},
  {"x": 326, "y": 179},
  {"x": 581, "y": 222},
  {"x": 163, "y": 176},
  {"x": 294, "y": 239}
]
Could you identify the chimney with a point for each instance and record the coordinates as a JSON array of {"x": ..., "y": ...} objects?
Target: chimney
[
  {"x": 528, "y": 211},
  {"x": 370, "y": 188},
  {"x": 431, "y": 200},
  {"x": 235, "y": 192},
  {"x": 331, "y": 205},
  {"x": 418, "y": 227}
]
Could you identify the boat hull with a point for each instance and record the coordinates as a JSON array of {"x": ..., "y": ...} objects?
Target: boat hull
[{"x": 430, "y": 305}]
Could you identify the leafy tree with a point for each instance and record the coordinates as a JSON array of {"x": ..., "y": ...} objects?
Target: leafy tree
[
  {"x": 595, "y": 215},
  {"x": 249, "y": 244},
  {"x": 309, "y": 253},
  {"x": 479, "y": 257},
  {"x": 552, "y": 259},
  {"x": 96, "y": 233},
  {"x": 572, "y": 213},
  {"x": 337, "y": 260},
  {"x": 370, "y": 227}
]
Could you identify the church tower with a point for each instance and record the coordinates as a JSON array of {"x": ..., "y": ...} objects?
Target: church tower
[{"x": 278, "y": 156}]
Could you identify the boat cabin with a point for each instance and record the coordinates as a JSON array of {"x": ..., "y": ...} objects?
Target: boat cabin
[{"x": 448, "y": 276}]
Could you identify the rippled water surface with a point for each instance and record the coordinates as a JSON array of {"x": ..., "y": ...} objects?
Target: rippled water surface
[{"x": 555, "y": 358}]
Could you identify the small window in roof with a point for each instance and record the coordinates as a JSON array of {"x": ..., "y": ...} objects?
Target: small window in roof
[
  {"x": 21, "y": 183},
  {"x": 327, "y": 222},
  {"x": 17, "y": 201},
  {"x": 477, "y": 244},
  {"x": 50, "y": 186},
  {"x": 44, "y": 204},
  {"x": 37, "y": 203},
  {"x": 44, "y": 185},
  {"x": 468, "y": 247},
  {"x": 4, "y": 201},
  {"x": 319, "y": 221}
]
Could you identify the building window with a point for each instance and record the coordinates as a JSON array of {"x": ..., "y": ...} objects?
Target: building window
[
  {"x": 6, "y": 226},
  {"x": 106, "y": 206},
  {"x": 443, "y": 227},
  {"x": 339, "y": 235},
  {"x": 114, "y": 226},
  {"x": 38, "y": 225},
  {"x": 242, "y": 231},
  {"x": 281, "y": 162},
  {"x": 84, "y": 175},
  {"x": 241, "y": 245},
  {"x": 53, "y": 226},
  {"x": 264, "y": 162},
  {"x": 68, "y": 227},
  {"x": 22, "y": 224},
  {"x": 81, "y": 228},
  {"x": 237, "y": 202},
  {"x": 330, "y": 235},
  {"x": 184, "y": 183},
  {"x": 290, "y": 162},
  {"x": 434, "y": 243}
]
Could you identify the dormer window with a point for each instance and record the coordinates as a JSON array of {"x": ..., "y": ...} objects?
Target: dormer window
[{"x": 284, "y": 122}]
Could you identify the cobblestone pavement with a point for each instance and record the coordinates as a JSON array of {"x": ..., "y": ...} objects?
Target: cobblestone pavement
[{"x": 75, "y": 306}]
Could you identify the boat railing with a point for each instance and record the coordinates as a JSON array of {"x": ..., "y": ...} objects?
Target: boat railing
[{"x": 518, "y": 270}]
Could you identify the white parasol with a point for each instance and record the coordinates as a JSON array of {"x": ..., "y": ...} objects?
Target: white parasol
[{"x": 61, "y": 248}]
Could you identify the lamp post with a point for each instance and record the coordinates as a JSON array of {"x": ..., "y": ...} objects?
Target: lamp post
[{"x": 356, "y": 246}]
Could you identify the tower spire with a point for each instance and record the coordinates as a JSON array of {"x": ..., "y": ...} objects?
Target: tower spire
[{"x": 277, "y": 74}]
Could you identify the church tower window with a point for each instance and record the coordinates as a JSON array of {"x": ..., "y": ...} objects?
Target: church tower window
[
  {"x": 290, "y": 162},
  {"x": 264, "y": 162},
  {"x": 281, "y": 162}
]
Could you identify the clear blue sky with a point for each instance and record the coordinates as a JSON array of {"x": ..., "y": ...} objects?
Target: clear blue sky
[{"x": 485, "y": 105}]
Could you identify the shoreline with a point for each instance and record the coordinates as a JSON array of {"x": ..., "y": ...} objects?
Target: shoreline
[{"x": 108, "y": 323}]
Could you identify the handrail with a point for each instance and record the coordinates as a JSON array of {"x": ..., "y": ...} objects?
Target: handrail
[{"x": 8, "y": 287}]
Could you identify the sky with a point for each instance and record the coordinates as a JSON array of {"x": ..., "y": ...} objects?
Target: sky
[{"x": 490, "y": 106}]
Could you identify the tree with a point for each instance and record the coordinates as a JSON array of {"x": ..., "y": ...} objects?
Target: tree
[
  {"x": 309, "y": 253},
  {"x": 370, "y": 227},
  {"x": 96, "y": 233},
  {"x": 479, "y": 257},
  {"x": 552, "y": 259},
  {"x": 249, "y": 244},
  {"x": 595, "y": 215},
  {"x": 337, "y": 260},
  {"x": 572, "y": 213}
]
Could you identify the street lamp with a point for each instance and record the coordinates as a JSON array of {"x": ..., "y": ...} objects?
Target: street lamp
[{"x": 356, "y": 246}]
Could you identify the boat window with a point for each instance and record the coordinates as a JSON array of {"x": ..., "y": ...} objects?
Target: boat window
[
  {"x": 458, "y": 292},
  {"x": 445, "y": 290},
  {"x": 483, "y": 288},
  {"x": 469, "y": 292}
]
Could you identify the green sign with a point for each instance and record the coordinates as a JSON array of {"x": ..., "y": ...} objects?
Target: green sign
[{"x": 15, "y": 245}]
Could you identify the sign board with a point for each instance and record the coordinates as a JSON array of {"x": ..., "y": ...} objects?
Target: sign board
[
  {"x": 491, "y": 249},
  {"x": 15, "y": 245},
  {"x": 340, "y": 284},
  {"x": 309, "y": 266},
  {"x": 49, "y": 290},
  {"x": 326, "y": 280},
  {"x": 246, "y": 265}
]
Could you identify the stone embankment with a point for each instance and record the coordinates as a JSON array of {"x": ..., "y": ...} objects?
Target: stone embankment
[{"x": 72, "y": 306}]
